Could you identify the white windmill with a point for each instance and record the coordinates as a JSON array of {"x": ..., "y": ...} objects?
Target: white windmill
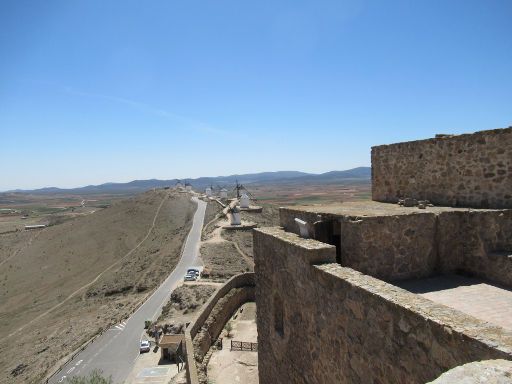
[
  {"x": 234, "y": 216},
  {"x": 243, "y": 195},
  {"x": 244, "y": 200}
]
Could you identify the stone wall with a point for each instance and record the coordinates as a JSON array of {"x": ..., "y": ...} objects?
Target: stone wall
[
  {"x": 319, "y": 322},
  {"x": 421, "y": 244},
  {"x": 472, "y": 170},
  {"x": 209, "y": 322},
  {"x": 489, "y": 255},
  {"x": 392, "y": 247}
]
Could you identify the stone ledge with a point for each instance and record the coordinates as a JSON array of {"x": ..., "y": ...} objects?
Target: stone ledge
[
  {"x": 294, "y": 239},
  {"x": 452, "y": 320},
  {"x": 461, "y": 137},
  {"x": 479, "y": 372}
]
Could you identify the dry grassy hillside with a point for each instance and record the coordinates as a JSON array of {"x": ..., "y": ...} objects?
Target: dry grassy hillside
[{"x": 59, "y": 286}]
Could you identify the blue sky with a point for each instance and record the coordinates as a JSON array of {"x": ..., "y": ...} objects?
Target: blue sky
[{"x": 96, "y": 91}]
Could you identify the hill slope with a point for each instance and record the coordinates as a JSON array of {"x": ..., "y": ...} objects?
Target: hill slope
[{"x": 83, "y": 275}]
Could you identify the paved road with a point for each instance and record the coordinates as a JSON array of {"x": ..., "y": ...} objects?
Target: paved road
[{"x": 116, "y": 350}]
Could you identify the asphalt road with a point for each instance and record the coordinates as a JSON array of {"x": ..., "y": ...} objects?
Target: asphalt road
[{"x": 115, "y": 351}]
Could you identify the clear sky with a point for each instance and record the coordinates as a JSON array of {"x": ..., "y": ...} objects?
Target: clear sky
[{"x": 100, "y": 90}]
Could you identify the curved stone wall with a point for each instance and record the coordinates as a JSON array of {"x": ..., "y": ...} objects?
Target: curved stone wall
[{"x": 210, "y": 321}]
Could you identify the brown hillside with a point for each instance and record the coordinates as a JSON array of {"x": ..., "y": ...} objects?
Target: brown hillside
[{"x": 74, "y": 278}]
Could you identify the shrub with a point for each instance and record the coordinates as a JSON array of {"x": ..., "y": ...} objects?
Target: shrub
[{"x": 95, "y": 377}]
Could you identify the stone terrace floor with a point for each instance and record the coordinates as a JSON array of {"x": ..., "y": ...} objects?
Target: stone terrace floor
[
  {"x": 472, "y": 296},
  {"x": 373, "y": 208}
]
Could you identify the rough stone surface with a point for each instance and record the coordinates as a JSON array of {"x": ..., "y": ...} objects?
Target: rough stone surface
[
  {"x": 480, "y": 372},
  {"x": 319, "y": 322},
  {"x": 396, "y": 243},
  {"x": 472, "y": 170}
]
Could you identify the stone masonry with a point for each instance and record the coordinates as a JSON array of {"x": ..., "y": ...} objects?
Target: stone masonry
[
  {"x": 319, "y": 322},
  {"x": 396, "y": 243},
  {"x": 327, "y": 309},
  {"x": 472, "y": 170}
]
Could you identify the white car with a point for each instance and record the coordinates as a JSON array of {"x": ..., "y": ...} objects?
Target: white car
[
  {"x": 145, "y": 346},
  {"x": 190, "y": 277}
]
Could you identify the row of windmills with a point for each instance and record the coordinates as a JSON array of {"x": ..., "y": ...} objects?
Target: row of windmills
[
  {"x": 210, "y": 192},
  {"x": 241, "y": 201},
  {"x": 183, "y": 186}
]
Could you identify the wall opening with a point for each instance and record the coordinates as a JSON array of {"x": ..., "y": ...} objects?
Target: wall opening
[
  {"x": 328, "y": 232},
  {"x": 278, "y": 316}
]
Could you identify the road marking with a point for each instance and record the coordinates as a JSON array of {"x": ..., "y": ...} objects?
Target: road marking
[
  {"x": 79, "y": 362},
  {"x": 70, "y": 370},
  {"x": 62, "y": 379}
]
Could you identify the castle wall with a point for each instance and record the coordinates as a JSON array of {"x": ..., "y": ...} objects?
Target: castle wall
[
  {"x": 421, "y": 244},
  {"x": 393, "y": 247},
  {"x": 390, "y": 247},
  {"x": 487, "y": 245},
  {"x": 319, "y": 322},
  {"x": 472, "y": 170}
]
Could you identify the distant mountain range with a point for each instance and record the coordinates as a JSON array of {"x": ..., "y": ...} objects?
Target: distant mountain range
[{"x": 360, "y": 175}]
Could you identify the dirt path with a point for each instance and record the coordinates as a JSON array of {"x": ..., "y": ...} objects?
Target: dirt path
[
  {"x": 216, "y": 237},
  {"x": 247, "y": 259},
  {"x": 95, "y": 279}
]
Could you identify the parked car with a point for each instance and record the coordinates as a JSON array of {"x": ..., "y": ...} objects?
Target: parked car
[
  {"x": 145, "y": 346},
  {"x": 190, "y": 277},
  {"x": 193, "y": 271}
]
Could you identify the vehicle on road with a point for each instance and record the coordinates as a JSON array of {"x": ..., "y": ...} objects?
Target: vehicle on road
[
  {"x": 190, "y": 277},
  {"x": 193, "y": 271},
  {"x": 145, "y": 346}
]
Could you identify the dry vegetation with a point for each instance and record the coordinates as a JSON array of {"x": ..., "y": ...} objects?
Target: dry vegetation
[
  {"x": 61, "y": 285},
  {"x": 185, "y": 301}
]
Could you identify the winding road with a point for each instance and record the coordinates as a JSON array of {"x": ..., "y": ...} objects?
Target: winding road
[{"x": 115, "y": 351}]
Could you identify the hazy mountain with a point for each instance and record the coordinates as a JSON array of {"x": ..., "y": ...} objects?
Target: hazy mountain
[{"x": 361, "y": 173}]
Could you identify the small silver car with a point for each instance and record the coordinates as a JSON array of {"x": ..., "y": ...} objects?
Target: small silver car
[
  {"x": 145, "y": 346},
  {"x": 190, "y": 277}
]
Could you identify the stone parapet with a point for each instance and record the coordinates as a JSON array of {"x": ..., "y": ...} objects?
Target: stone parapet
[
  {"x": 471, "y": 170},
  {"x": 319, "y": 322},
  {"x": 396, "y": 243}
]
